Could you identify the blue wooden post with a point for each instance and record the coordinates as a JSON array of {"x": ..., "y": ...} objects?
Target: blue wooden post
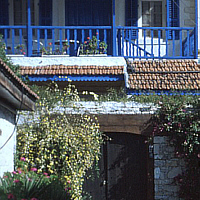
[
  {"x": 114, "y": 34},
  {"x": 29, "y": 31},
  {"x": 196, "y": 31}
]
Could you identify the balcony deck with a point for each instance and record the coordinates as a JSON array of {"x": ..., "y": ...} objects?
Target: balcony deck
[{"x": 128, "y": 42}]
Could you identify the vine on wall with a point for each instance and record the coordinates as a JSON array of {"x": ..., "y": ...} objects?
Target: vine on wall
[
  {"x": 178, "y": 117},
  {"x": 59, "y": 143}
]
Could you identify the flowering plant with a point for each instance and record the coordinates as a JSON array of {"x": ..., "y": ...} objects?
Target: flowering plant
[
  {"x": 21, "y": 49},
  {"x": 49, "y": 50},
  {"x": 93, "y": 46},
  {"x": 29, "y": 184}
]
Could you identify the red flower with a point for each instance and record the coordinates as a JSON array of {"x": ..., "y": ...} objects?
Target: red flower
[
  {"x": 34, "y": 199},
  {"x": 88, "y": 38},
  {"x": 50, "y": 43},
  {"x": 97, "y": 33},
  {"x": 85, "y": 42},
  {"x": 10, "y": 196},
  {"x": 16, "y": 181}
]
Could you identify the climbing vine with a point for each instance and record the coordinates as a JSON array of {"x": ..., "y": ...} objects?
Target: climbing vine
[
  {"x": 178, "y": 117},
  {"x": 57, "y": 142}
]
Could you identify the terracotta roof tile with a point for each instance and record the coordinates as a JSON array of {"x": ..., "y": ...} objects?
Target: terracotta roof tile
[
  {"x": 164, "y": 75},
  {"x": 5, "y": 67},
  {"x": 72, "y": 70}
]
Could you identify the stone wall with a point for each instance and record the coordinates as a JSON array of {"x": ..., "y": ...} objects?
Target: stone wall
[
  {"x": 7, "y": 121},
  {"x": 166, "y": 167}
]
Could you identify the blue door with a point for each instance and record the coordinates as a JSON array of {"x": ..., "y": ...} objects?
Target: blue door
[
  {"x": 4, "y": 14},
  {"x": 89, "y": 13}
]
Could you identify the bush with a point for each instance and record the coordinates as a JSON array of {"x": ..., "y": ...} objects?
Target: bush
[
  {"x": 24, "y": 184},
  {"x": 59, "y": 143}
]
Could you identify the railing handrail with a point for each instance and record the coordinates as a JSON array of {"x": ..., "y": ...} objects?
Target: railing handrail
[
  {"x": 155, "y": 28},
  {"x": 72, "y": 27},
  {"x": 13, "y": 27}
]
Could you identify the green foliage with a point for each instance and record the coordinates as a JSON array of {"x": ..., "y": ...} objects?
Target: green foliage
[
  {"x": 91, "y": 46},
  {"x": 5, "y": 59},
  {"x": 30, "y": 185},
  {"x": 59, "y": 143},
  {"x": 178, "y": 116}
]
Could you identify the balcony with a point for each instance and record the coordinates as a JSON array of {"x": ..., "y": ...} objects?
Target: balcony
[{"x": 128, "y": 42}]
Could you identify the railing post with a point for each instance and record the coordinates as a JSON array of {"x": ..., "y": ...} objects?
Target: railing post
[
  {"x": 114, "y": 34},
  {"x": 29, "y": 31},
  {"x": 196, "y": 31}
]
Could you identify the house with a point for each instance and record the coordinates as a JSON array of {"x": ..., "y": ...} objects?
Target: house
[
  {"x": 14, "y": 96},
  {"x": 131, "y": 28},
  {"x": 152, "y": 46}
]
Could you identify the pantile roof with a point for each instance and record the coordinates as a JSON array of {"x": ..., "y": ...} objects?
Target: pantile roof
[
  {"x": 72, "y": 70},
  {"x": 15, "y": 78},
  {"x": 164, "y": 75}
]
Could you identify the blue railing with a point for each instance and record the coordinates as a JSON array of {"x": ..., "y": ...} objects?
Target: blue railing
[
  {"x": 188, "y": 44},
  {"x": 130, "y": 42},
  {"x": 154, "y": 42}
]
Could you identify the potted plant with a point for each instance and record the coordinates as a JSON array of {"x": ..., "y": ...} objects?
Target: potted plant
[{"x": 93, "y": 47}]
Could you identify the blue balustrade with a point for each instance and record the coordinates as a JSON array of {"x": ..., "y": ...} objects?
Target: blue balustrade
[{"x": 147, "y": 43}]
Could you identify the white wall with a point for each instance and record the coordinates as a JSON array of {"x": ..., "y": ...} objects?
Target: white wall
[
  {"x": 7, "y": 120},
  {"x": 198, "y": 24}
]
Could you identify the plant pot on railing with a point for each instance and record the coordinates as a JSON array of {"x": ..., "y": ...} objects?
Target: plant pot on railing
[{"x": 92, "y": 47}]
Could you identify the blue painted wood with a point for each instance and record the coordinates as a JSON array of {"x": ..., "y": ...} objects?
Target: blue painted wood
[
  {"x": 45, "y": 16},
  {"x": 137, "y": 37},
  {"x": 181, "y": 44},
  {"x": 38, "y": 43},
  {"x": 159, "y": 37},
  {"x": 5, "y": 39},
  {"x": 132, "y": 45},
  {"x": 188, "y": 43},
  {"x": 122, "y": 42},
  {"x": 196, "y": 30},
  {"x": 167, "y": 36},
  {"x": 131, "y": 15},
  {"x": 29, "y": 30},
  {"x": 114, "y": 33},
  {"x": 152, "y": 42},
  {"x": 129, "y": 42},
  {"x": 173, "y": 17},
  {"x": 60, "y": 40},
  {"x": 53, "y": 40},
  {"x": 173, "y": 43},
  {"x": 13, "y": 41},
  {"x": 4, "y": 16},
  {"x": 145, "y": 43}
]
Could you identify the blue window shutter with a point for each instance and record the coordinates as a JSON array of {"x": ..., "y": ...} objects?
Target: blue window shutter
[
  {"x": 45, "y": 16},
  {"x": 173, "y": 17},
  {"x": 4, "y": 17},
  {"x": 132, "y": 15}
]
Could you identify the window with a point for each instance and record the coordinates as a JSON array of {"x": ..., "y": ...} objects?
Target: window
[
  {"x": 20, "y": 13},
  {"x": 152, "y": 15}
]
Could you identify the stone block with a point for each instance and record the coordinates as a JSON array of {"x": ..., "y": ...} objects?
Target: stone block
[
  {"x": 160, "y": 139},
  {"x": 174, "y": 172}
]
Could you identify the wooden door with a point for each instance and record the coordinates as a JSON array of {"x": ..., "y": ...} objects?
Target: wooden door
[{"x": 123, "y": 169}]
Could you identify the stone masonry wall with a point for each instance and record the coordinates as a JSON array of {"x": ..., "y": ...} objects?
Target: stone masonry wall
[{"x": 166, "y": 167}]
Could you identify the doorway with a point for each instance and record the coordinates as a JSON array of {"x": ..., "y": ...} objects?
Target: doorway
[{"x": 123, "y": 169}]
